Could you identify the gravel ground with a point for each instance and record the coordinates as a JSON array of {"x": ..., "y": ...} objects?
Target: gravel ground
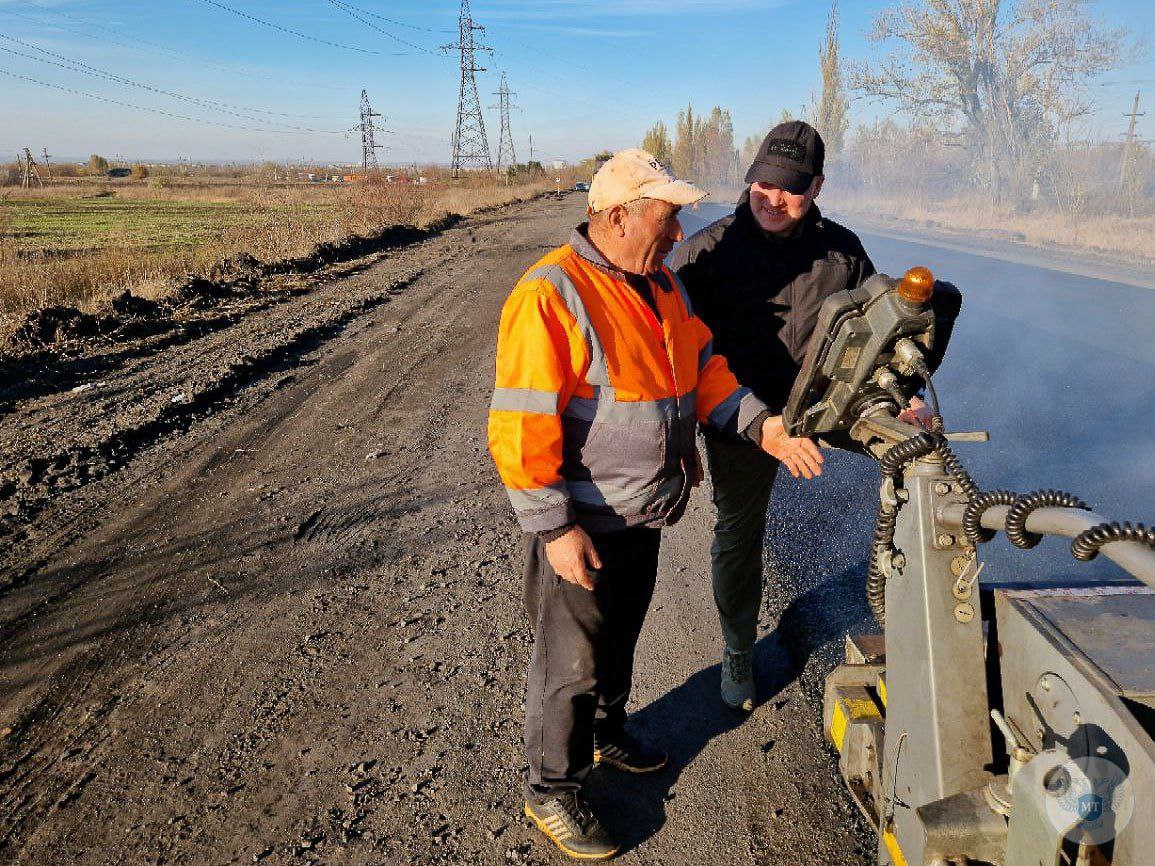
[{"x": 261, "y": 601}]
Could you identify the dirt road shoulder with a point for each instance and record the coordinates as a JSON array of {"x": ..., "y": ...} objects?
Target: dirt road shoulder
[{"x": 290, "y": 631}]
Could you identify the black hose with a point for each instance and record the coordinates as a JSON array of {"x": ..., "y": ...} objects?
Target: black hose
[
  {"x": 978, "y": 504},
  {"x": 1016, "y": 526},
  {"x": 875, "y": 580},
  {"x": 1086, "y": 545},
  {"x": 954, "y": 466},
  {"x": 891, "y": 464}
]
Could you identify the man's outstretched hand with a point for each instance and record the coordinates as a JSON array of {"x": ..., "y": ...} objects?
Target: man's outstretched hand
[
  {"x": 918, "y": 414},
  {"x": 569, "y": 555},
  {"x": 801, "y": 456}
]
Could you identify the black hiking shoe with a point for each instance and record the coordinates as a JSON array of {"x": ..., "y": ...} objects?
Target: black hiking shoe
[
  {"x": 571, "y": 824},
  {"x": 627, "y": 753}
]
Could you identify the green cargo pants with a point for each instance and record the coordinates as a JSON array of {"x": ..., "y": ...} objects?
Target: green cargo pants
[{"x": 742, "y": 476}]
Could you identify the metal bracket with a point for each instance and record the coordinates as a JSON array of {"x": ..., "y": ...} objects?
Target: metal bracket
[{"x": 947, "y": 537}]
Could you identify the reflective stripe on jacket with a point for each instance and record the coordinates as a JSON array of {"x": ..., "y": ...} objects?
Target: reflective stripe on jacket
[{"x": 594, "y": 413}]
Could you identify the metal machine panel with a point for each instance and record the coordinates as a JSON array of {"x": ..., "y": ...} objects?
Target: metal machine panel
[
  {"x": 1116, "y": 632},
  {"x": 1068, "y": 658}
]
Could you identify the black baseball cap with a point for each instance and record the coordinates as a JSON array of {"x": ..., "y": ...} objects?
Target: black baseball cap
[{"x": 790, "y": 157}]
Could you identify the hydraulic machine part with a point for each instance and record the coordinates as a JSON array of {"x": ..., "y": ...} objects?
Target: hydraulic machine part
[{"x": 1009, "y": 724}]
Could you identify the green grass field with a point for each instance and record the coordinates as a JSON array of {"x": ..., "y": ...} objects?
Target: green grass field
[
  {"x": 68, "y": 224},
  {"x": 85, "y": 241}
]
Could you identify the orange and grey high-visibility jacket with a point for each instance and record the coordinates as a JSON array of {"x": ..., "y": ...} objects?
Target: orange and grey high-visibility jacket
[{"x": 593, "y": 417}]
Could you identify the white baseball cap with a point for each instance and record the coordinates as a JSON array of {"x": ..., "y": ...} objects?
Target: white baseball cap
[{"x": 633, "y": 174}]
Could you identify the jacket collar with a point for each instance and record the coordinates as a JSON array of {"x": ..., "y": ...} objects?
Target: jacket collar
[
  {"x": 580, "y": 243},
  {"x": 811, "y": 223}
]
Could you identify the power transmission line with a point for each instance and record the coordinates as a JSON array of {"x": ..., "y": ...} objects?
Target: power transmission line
[
  {"x": 505, "y": 142},
  {"x": 394, "y": 21},
  {"x": 360, "y": 14},
  {"x": 288, "y": 30},
  {"x": 470, "y": 145},
  {"x": 47, "y": 163},
  {"x": 135, "y": 43},
  {"x": 76, "y": 66},
  {"x": 161, "y": 111},
  {"x": 368, "y": 145}
]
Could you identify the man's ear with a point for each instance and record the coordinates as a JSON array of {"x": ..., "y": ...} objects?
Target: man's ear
[
  {"x": 816, "y": 185},
  {"x": 616, "y": 219}
]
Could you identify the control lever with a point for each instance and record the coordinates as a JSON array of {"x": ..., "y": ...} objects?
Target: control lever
[{"x": 972, "y": 436}]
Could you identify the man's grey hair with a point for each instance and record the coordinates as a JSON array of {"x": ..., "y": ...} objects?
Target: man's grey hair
[{"x": 633, "y": 208}]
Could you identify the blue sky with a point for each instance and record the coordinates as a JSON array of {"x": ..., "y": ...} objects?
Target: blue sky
[{"x": 588, "y": 74}]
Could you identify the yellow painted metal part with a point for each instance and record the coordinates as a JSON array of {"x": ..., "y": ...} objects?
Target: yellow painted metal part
[
  {"x": 838, "y": 726},
  {"x": 849, "y": 709},
  {"x": 882, "y": 688},
  {"x": 892, "y": 848}
]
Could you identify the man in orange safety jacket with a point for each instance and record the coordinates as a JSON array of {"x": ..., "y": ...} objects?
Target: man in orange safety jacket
[{"x": 603, "y": 374}]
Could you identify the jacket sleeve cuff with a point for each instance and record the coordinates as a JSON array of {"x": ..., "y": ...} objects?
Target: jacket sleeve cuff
[
  {"x": 548, "y": 535},
  {"x": 749, "y": 409},
  {"x": 753, "y": 430},
  {"x": 547, "y": 519},
  {"x": 734, "y": 414}
]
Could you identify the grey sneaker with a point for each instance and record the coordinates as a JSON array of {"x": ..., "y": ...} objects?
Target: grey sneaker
[
  {"x": 569, "y": 822},
  {"x": 738, "y": 680}
]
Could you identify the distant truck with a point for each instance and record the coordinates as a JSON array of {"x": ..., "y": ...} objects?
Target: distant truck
[{"x": 120, "y": 172}]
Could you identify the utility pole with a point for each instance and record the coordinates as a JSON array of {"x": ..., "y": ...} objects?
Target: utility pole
[
  {"x": 31, "y": 174},
  {"x": 1134, "y": 114},
  {"x": 47, "y": 164},
  {"x": 369, "y": 146},
  {"x": 470, "y": 146},
  {"x": 505, "y": 144}
]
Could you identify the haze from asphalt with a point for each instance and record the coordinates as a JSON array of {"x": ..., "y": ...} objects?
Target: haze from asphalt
[{"x": 1058, "y": 367}]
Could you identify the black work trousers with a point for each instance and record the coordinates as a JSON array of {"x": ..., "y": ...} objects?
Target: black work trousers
[{"x": 582, "y": 663}]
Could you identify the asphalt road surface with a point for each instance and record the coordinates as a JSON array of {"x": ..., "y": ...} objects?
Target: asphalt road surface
[
  {"x": 1057, "y": 366},
  {"x": 282, "y": 625}
]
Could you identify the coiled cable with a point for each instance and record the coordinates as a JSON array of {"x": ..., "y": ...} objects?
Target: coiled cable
[
  {"x": 976, "y": 507},
  {"x": 953, "y": 465},
  {"x": 1086, "y": 545},
  {"x": 891, "y": 464},
  {"x": 1016, "y": 526}
]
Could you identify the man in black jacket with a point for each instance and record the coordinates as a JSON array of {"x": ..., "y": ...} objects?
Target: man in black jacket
[{"x": 758, "y": 278}]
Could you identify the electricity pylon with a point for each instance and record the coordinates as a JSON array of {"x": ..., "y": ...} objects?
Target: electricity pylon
[
  {"x": 505, "y": 144},
  {"x": 31, "y": 174},
  {"x": 369, "y": 145},
  {"x": 470, "y": 145}
]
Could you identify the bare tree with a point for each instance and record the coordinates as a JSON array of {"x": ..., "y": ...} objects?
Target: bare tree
[
  {"x": 718, "y": 154},
  {"x": 703, "y": 148},
  {"x": 657, "y": 142},
  {"x": 830, "y": 116},
  {"x": 685, "y": 157},
  {"x": 1003, "y": 75},
  {"x": 750, "y": 149}
]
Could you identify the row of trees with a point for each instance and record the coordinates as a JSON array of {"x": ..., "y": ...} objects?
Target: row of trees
[
  {"x": 995, "y": 89},
  {"x": 1004, "y": 81},
  {"x": 702, "y": 147},
  {"x": 887, "y": 159}
]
